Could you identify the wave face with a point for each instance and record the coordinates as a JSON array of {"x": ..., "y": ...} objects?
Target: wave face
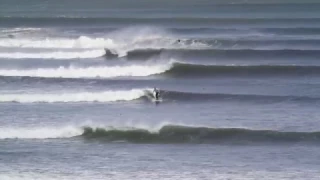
[
  {"x": 225, "y": 53},
  {"x": 185, "y": 134},
  {"x": 107, "y": 96},
  {"x": 190, "y": 96},
  {"x": 88, "y": 72}
]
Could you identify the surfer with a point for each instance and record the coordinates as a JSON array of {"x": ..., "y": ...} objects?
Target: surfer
[
  {"x": 156, "y": 93},
  {"x": 110, "y": 54}
]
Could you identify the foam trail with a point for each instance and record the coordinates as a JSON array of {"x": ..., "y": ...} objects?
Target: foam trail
[
  {"x": 88, "y": 72},
  {"x": 106, "y": 96},
  {"x": 39, "y": 132},
  {"x": 54, "y": 55}
]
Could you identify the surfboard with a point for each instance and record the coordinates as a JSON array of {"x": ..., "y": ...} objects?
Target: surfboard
[{"x": 157, "y": 100}]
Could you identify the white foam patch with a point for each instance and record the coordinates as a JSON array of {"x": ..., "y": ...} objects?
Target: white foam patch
[
  {"x": 89, "y": 72},
  {"x": 54, "y": 55},
  {"x": 106, "y": 96},
  {"x": 39, "y": 132},
  {"x": 81, "y": 42}
]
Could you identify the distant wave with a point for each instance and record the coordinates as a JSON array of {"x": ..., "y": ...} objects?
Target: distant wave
[
  {"x": 106, "y": 96},
  {"x": 166, "y": 134},
  {"x": 196, "y": 70},
  {"x": 128, "y": 20},
  {"x": 222, "y": 53},
  {"x": 253, "y": 31}
]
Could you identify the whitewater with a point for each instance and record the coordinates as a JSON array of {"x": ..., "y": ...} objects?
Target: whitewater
[
  {"x": 89, "y": 72},
  {"x": 106, "y": 96}
]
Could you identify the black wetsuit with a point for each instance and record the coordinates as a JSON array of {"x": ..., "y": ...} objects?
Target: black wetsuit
[{"x": 156, "y": 94}]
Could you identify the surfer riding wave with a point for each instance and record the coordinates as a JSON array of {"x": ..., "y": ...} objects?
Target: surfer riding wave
[{"x": 156, "y": 93}]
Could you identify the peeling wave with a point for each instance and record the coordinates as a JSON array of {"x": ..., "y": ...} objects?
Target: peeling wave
[
  {"x": 165, "y": 134},
  {"x": 185, "y": 134}
]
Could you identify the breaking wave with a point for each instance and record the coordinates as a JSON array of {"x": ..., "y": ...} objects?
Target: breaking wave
[
  {"x": 165, "y": 134},
  {"x": 88, "y": 72},
  {"x": 146, "y": 94},
  {"x": 171, "y": 69}
]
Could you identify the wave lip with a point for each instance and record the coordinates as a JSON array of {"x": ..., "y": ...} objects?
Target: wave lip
[
  {"x": 185, "y": 134},
  {"x": 106, "y": 96}
]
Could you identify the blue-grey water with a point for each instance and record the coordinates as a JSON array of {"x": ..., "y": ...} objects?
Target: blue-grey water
[{"x": 239, "y": 82}]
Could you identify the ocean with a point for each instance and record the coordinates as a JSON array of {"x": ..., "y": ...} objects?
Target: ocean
[{"x": 239, "y": 85}]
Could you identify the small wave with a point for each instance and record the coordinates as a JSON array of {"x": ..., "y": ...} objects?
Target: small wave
[
  {"x": 191, "y": 96},
  {"x": 88, "y": 72},
  {"x": 54, "y": 55},
  {"x": 106, "y": 96}
]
